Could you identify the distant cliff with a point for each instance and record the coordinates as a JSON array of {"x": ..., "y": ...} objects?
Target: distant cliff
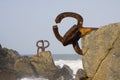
[{"x": 101, "y": 49}]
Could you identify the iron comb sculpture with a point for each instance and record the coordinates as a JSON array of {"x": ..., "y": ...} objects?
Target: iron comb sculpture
[
  {"x": 42, "y": 47},
  {"x": 74, "y": 33}
]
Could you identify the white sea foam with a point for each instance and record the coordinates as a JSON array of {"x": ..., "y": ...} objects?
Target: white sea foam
[
  {"x": 73, "y": 64},
  {"x": 31, "y": 78}
]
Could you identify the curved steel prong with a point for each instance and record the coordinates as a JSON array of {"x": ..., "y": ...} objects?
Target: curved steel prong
[
  {"x": 77, "y": 48},
  {"x": 38, "y": 47},
  {"x": 69, "y": 14},
  {"x": 47, "y": 43},
  {"x": 72, "y": 35},
  {"x": 57, "y": 35}
]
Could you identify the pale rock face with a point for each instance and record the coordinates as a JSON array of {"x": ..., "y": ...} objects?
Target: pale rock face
[
  {"x": 42, "y": 65},
  {"x": 101, "y": 49}
]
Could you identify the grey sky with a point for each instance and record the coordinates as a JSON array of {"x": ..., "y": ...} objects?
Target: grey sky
[{"x": 23, "y": 22}]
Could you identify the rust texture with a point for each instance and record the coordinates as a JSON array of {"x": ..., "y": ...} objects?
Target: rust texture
[
  {"x": 41, "y": 45},
  {"x": 74, "y": 33}
]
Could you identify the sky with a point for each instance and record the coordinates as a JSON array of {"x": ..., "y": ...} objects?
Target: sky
[{"x": 24, "y": 22}]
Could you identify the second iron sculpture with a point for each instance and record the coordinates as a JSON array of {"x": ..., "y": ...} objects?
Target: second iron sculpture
[{"x": 42, "y": 46}]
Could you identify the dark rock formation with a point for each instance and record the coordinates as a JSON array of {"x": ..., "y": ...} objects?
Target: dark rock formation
[
  {"x": 65, "y": 73},
  {"x": 101, "y": 50},
  {"x": 8, "y": 58},
  {"x": 0, "y": 47},
  {"x": 81, "y": 75}
]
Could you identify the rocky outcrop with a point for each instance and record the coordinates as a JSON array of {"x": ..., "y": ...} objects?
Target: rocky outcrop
[
  {"x": 7, "y": 74},
  {"x": 101, "y": 49},
  {"x": 81, "y": 75},
  {"x": 8, "y": 58},
  {"x": 42, "y": 65},
  {"x": 14, "y": 66},
  {"x": 64, "y": 73}
]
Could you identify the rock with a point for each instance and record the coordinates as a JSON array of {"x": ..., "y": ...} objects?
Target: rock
[
  {"x": 65, "y": 73},
  {"x": 0, "y": 47},
  {"x": 81, "y": 75},
  {"x": 7, "y": 58},
  {"x": 7, "y": 74},
  {"x": 42, "y": 65},
  {"x": 101, "y": 51},
  {"x": 13, "y": 66},
  {"x": 23, "y": 67}
]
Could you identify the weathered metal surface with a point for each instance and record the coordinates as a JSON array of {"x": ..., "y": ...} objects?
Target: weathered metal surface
[
  {"x": 41, "y": 45},
  {"x": 74, "y": 33}
]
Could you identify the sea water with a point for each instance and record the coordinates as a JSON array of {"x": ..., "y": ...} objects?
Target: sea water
[{"x": 72, "y": 60}]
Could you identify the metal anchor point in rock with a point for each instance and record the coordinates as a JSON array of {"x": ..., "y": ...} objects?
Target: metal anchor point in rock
[
  {"x": 74, "y": 33},
  {"x": 42, "y": 46}
]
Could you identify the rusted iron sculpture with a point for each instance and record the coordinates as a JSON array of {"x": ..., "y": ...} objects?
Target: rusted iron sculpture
[
  {"x": 42, "y": 47},
  {"x": 74, "y": 33}
]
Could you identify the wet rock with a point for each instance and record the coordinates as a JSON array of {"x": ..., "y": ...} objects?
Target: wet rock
[
  {"x": 81, "y": 75},
  {"x": 101, "y": 51},
  {"x": 0, "y": 47},
  {"x": 65, "y": 73}
]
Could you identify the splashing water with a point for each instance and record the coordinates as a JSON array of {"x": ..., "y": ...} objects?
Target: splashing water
[
  {"x": 73, "y": 64},
  {"x": 30, "y": 78}
]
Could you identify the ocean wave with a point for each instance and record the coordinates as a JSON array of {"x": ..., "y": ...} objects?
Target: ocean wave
[{"x": 73, "y": 64}]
